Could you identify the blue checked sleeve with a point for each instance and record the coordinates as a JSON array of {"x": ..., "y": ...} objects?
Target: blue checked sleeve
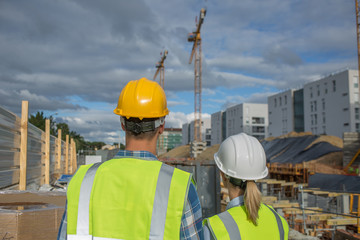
[{"x": 191, "y": 222}]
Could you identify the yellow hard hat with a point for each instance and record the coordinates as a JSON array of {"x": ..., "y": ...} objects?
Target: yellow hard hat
[{"x": 142, "y": 99}]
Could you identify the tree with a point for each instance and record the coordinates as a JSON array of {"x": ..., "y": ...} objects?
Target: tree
[{"x": 38, "y": 120}]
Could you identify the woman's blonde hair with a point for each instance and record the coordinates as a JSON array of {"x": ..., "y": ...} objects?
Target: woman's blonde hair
[{"x": 252, "y": 198}]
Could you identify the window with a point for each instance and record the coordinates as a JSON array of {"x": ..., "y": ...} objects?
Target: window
[
  {"x": 324, "y": 130},
  {"x": 346, "y": 124},
  {"x": 258, "y": 129},
  {"x": 311, "y": 94},
  {"x": 275, "y": 102},
  {"x": 285, "y": 99},
  {"x": 325, "y": 88},
  {"x": 258, "y": 120},
  {"x": 318, "y": 90},
  {"x": 323, "y": 117},
  {"x": 356, "y": 97},
  {"x": 312, "y": 119},
  {"x": 311, "y": 106},
  {"x": 345, "y": 109},
  {"x": 323, "y": 103},
  {"x": 315, "y": 106},
  {"x": 357, "y": 114},
  {"x": 356, "y": 82},
  {"x": 279, "y": 101},
  {"x": 334, "y": 85},
  {"x": 357, "y": 127},
  {"x": 315, "y": 119}
]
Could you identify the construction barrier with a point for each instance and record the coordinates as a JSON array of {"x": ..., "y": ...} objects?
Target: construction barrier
[{"x": 29, "y": 155}]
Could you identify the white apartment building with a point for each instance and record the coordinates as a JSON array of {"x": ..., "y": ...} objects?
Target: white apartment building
[
  {"x": 250, "y": 118},
  {"x": 281, "y": 113},
  {"x": 331, "y": 104},
  {"x": 217, "y": 127},
  {"x": 188, "y": 131}
]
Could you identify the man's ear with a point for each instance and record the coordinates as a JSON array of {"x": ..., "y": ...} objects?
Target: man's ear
[
  {"x": 123, "y": 127},
  {"x": 161, "y": 128}
]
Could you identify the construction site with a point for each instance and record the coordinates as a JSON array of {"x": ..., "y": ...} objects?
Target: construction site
[{"x": 313, "y": 180}]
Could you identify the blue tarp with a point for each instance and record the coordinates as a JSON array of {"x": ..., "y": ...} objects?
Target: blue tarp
[{"x": 292, "y": 149}]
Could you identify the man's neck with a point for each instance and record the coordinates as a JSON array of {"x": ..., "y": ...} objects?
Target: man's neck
[{"x": 141, "y": 145}]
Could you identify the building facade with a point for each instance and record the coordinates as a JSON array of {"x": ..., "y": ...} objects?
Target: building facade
[
  {"x": 217, "y": 127},
  {"x": 250, "y": 118},
  {"x": 281, "y": 113},
  {"x": 185, "y": 133},
  {"x": 188, "y": 131},
  {"x": 331, "y": 104},
  {"x": 169, "y": 139}
]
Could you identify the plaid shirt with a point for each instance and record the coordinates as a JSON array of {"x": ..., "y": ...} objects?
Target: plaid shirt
[{"x": 191, "y": 221}]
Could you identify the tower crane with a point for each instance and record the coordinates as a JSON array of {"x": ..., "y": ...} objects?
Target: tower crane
[
  {"x": 196, "y": 50},
  {"x": 160, "y": 68}
]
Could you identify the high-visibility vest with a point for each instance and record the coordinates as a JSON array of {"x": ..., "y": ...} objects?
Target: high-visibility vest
[
  {"x": 126, "y": 198},
  {"x": 234, "y": 225}
]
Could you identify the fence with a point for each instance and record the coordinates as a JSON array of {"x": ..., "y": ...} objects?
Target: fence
[{"x": 29, "y": 155}]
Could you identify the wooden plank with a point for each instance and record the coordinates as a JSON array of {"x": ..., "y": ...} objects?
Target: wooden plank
[
  {"x": 23, "y": 144},
  {"x": 67, "y": 154},
  {"x": 320, "y": 217},
  {"x": 288, "y": 184},
  {"x": 341, "y": 221},
  {"x": 47, "y": 151},
  {"x": 269, "y": 199},
  {"x": 285, "y": 205}
]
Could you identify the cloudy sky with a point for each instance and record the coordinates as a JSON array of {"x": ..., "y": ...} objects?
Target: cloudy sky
[{"x": 71, "y": 58}]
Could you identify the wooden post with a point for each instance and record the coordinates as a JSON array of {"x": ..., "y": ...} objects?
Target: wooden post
[
  {"x": 58, "y": 161},
  {"x": 71, "y": 156},
  {"x": 67, "y": 155},
  {"x": 74, "y": 163},
  {"x": 23, "y": 144},
  {"x": 47, "y": 151}
]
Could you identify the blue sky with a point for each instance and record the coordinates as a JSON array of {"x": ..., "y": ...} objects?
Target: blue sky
[{"x": 72, "y": 57}]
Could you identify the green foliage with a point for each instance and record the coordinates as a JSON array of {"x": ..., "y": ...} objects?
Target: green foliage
[{"x": 38, "y": 120}]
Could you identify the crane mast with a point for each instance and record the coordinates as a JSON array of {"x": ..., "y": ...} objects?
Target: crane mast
[
  {"x": 160, "y": 69},
  {"x": 197, "y": 53}
]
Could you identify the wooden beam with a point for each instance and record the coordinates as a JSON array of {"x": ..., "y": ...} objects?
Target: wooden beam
[
  {"x": 67, "y": 154},
  {"x": 23, "y": 144},
  {"x": 58, "y": 160},
  {"x": 341, "y": 221},
  {"x": 47, "y": 151}
]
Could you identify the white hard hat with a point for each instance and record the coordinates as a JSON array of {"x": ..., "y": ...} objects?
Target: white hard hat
[{"x": 242, "y": 156}]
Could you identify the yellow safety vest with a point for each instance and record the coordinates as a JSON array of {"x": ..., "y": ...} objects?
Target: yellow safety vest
[
  {"x": 126, "y": 198},
  {"x": 234, "y": 225}
]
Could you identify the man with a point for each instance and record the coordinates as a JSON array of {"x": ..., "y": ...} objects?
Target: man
[{"x": 134, "y": 196}]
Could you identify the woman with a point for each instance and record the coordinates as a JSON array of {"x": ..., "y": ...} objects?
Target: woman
[{"x": 241, "y": 160}]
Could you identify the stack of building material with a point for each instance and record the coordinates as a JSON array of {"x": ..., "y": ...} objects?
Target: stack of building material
[{"x": 26, "y": 215}]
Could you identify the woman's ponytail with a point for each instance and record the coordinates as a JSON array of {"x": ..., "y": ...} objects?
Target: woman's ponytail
[{"x": 252, "y": 198}]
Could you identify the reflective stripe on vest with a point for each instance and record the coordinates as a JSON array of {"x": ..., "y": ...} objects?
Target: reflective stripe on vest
[
  {"x": 230, "y": 225},
  {"x": 279, "y": 222},
  {"x": 159, "y": 212},
  {"x": 224, "y": 226}
]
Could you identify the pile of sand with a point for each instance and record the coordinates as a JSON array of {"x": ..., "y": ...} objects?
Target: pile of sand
[
  {"x": 209, "y": 152},
  {"x": 179, "y": 152}
]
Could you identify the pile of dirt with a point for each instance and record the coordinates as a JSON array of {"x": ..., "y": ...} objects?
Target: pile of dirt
[
  {"x": 209, "y": 152},
  {"x": 290, "y": 134},
  {"x": 333, "y": 140},
  {"x": 179, "y": 152}
]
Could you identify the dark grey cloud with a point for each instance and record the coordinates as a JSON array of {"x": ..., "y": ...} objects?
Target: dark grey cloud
[{"x": 53, "y": 52}]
